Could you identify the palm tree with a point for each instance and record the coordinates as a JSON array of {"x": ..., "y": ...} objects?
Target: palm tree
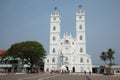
[
  {"x": 104, "y": 57},
  {"x": 110, "y": 56}
]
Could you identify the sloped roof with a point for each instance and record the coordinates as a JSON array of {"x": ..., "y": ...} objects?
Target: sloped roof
[{"x": 2, "y": 51}]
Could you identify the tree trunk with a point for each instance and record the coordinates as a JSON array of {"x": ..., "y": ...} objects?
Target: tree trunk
[{"x": 31, "y": 68}]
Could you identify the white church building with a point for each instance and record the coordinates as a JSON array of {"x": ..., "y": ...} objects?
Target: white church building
[{"x": 68, "y": 52}]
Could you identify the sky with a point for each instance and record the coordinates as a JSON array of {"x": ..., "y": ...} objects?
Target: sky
[{"x": 22, "y": 20}]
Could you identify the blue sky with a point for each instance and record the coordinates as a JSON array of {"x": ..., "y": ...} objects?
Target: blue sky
[{"x": 22, "y": 20}]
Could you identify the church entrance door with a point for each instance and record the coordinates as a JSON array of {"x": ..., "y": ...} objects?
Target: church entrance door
[{"x": 73, "y": 69}]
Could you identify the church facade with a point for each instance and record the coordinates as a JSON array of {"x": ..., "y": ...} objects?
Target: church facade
[{"x": 68, "y": 52}]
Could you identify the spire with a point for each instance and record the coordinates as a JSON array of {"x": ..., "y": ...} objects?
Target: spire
[
  {"x": 80, "y": 11},
  {"x": 55, "y": 11},
  {"x": 80, "y": 8}
]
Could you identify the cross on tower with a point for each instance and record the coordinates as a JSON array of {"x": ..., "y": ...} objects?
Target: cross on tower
[
  {"x": 55, "y": 8},
  {"x": 80, "y": 6}
]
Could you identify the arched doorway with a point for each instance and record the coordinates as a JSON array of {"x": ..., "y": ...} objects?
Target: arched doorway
[
  {"x": 67, "y": 68},
  {"x": 73, "y": 70}
]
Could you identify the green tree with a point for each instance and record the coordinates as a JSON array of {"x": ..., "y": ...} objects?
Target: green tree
[
  {"x": 110, "y": 56},
  {"x": 104, "y": 57},
  {"x": 29, "y": 51}
]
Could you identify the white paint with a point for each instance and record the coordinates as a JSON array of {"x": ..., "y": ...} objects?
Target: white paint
[{"x": 68, "y": 51}]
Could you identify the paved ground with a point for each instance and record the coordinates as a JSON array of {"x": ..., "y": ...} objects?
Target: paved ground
[
  {"x": 47, "y": 76},
  {"x": 66, "y": 77},
  {"x": 24, "y": 76},
  {"x": 103, "y": 77}
]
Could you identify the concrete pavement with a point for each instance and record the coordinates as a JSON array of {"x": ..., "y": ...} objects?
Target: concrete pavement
[{"x": 48, "y": 76}]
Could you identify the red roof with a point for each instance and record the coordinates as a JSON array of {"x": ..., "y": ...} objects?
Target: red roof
[
  {"x": 116, "y": 68},
  {"x": 2, "y": 51}
]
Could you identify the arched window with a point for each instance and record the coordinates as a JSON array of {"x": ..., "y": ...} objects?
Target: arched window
[
  {"x": 53, "y": 59},
  {"x": 73, "y": 43},
  {"x": 81, "y": 60},
  {"x": 80, "y": 27},
  {"x": 54, "y": 28},
  {"x": 67, "y": 42},
  {"x": 47, "y": 60},
  {"x": 81, "y": 50},
  {"x": 53, "y": 50},
  {"x": 87, "y": 60},
  {"x": 66, "y": 59},
  {"x": 80, "y": 17},
  {"x": 54, "y": 18},
  {"x": 53, "y": 38},
  {"x": 81, "y": 37}
]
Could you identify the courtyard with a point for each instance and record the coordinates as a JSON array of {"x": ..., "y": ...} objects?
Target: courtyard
[{"x": 48, "y": 76}]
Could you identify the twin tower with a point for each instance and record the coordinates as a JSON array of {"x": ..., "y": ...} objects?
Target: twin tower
[{"x": 68, "y": 53}]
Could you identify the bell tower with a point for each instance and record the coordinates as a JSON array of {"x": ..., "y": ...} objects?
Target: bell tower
[
  {"x": 54, "y": 31},
  {"x": 68, "y": 53},
  {"x": 80, "y": 31}
]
